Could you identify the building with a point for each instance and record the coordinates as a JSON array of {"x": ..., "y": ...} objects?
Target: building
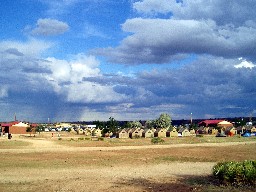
[
  {"x": 209, "y": 123},
  {"x": 19, "y": 128},
  {"x": 15, "y": 127},
  {"x": 5, "y": 127}
]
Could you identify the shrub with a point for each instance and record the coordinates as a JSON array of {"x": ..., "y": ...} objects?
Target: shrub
[
  {"x": 236, "y": 173},
  {"x": 101, "y": 139},
  {"x": 80, "y": 138},
  {"x": 157, "y": 140},
  {"x": 136, "y": 137}
]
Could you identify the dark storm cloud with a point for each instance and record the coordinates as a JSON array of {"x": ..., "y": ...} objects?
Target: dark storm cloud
[
  {"x": 209, "y": 85},
  {"x": 219, "y": 28},
  {"x": 36, "y": 70},
  {"x": 222, "y": 11},
  {"x": 14, "y": 51},
  {"x": 159, "y": 40}
]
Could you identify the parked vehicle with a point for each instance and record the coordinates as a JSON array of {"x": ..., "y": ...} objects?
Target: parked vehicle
[
  {"x": 247, "y": 134},
  {"x": 59, "y": 129},
  {"x": 221, "y": 135}
]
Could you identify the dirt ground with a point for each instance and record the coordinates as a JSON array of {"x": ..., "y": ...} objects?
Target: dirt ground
[{"x": 46, "y": 165}]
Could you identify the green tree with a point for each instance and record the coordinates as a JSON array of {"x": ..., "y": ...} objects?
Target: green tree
[
  {"x": 29, "y": 130},
  {"x": 135, "y": 124},
  {"x": 164, "y": 121},
  {"x": 99, "y": 124},
  {"x": 150, "y": 124},
  {"x": 39, "y": 128},
  {"x": 112, "y": 125}
]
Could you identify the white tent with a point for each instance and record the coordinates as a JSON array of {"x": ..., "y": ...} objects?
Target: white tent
[
  {"x": 225, "y": 124},
  {"x": 20, "y": 124}
]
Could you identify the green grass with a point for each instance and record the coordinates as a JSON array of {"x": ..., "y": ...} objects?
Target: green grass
[{"x": 236, "y": 173}]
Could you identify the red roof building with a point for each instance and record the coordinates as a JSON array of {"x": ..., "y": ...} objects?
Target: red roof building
[
  {"x": 5, "y": 127},
  {"x": 209, "y": 123},
  {"x": 14, "y": 127}
]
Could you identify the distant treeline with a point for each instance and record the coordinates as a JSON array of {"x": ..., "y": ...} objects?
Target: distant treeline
[{"x": 239, "y": 121}]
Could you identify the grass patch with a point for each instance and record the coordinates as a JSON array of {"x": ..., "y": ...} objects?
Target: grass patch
[
  {"x": 157, "y": 140},
  {"x": 180, "y": 159},
  {"x": 13, "y": 144},
  {"x": 209, "y": 139},
  {"x": 112, "y": 142},
  {"x": 207, "y": 154}
]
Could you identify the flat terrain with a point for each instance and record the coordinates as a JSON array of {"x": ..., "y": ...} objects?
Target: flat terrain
[{"x": 73, "y": 163}]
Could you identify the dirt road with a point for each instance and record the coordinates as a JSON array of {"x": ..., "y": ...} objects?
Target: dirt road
[{"x": 43, "y": 145}]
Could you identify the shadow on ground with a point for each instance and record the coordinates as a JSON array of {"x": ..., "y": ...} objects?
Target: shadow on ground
[{"x": 183, "y": 184}]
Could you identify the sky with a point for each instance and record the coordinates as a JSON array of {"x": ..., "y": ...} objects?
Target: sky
[{"x": 86, "y": 60}]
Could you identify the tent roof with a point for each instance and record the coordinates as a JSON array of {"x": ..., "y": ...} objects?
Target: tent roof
[
  {"x": 210, "y": 122},
  {"x": 9, "y": 124},
  {"x": 224, "y": 123},
  {"x": 20, "y": 124}
]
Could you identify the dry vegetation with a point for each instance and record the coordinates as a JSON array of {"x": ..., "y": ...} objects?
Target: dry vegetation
[{"x": 43, "y": 163}]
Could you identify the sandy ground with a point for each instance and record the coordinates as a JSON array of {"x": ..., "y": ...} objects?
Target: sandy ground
[
  {"x": 125, "y": 178},
  {"x": 128, "y": 177},
  {"x": 43, "y": 145}
]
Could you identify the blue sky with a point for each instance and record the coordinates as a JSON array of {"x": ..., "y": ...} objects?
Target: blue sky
[{"x": 75, "y": 60}]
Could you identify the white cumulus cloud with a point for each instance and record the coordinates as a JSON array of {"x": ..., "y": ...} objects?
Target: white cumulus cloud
[
  {"x": 67, "y": 78},
  {"x": 48, "y": 27}
]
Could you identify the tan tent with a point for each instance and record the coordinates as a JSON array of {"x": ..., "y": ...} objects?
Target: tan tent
[
  {"x": 97, "y": 132},
  {"x": 122, "y": 134},
  {"x": 225, "y": 124},
  {"x": 160, "y": 133},
  {"x": 184, "y": 132},
  {"x": 148, "y": 133},
  {"x": 137, "y": 132},
  {"x": 174, "y": 133}
]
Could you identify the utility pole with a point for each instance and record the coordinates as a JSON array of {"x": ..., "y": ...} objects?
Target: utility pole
[{"x": 191, "y": 120}]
